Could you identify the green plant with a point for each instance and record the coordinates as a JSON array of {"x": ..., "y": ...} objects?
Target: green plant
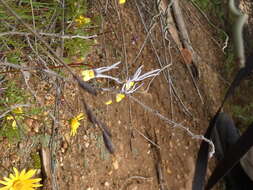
[
  {"x": 36, "y": 160},
  {"x": 13, "y": 94},
  {"x": 243, "y": 113}
]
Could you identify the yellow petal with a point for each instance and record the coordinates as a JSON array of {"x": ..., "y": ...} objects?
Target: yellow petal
[
  {"x": 5, "y": 188},
  {"x": 18, "y": 110},
  {"x": 4, "y": 182},
  {"x": 129, "y": 85},
  {"x": 122, "y": 1},
  {"x": 108, "y": 102},
  {"x": 36, "y": 180},
  {"x": 22, "y": 173},
  {"x": 14, "y": 124},
  {"x": 12, "y": 177},
  {"x": 73, "y": 131},
  {"x": 80, "y": 116},
  {"x": 86, "y": 20},
  {"x": 37, "y": 185},
  {"x": 10, "y": 117},
  {"x": 119, "y": 97},
  {"x": 16, "y": 172},
  {"x": 88, "y": 74},
  {"x": 29, "y": 174}
]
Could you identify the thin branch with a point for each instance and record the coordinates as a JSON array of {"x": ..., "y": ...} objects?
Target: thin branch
[
  {"x": 12, "y": 108},
  {"x": 49, "y": 34},
  {"x": 174, "y": 124}
]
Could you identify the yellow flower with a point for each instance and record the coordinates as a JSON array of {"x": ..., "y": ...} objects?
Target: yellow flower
[
  {"x": 18, "y": 110},
  {"x": 80, "y": 60},
  {"x": 74, "y": 124},
  {"x": 88, "y": 74},
  {"x": 14, "y": 123},
  {"x": 122, "y": 1},
  {"x": 119, "y": 97},
  {"x": 81, "y": 20},
  {"x": 129, "y": 85},
  {"x": 108, "y": 102},
  {"x": 20, "y": 181}
]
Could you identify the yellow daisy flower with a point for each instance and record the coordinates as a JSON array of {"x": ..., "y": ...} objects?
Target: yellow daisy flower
[
  {"x": 81, "y": 20},
  {"x": 18, "y": 110},
  {"x": 88, "y": 74},
  {"x": 74, "y": 123},
  {"x": 122, "y": 1},
  {"x": 20, "y": 181},
  {"x": 119, "y": 97}
]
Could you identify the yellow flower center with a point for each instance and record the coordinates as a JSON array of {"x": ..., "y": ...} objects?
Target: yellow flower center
[{"x": 18, "y": 185}]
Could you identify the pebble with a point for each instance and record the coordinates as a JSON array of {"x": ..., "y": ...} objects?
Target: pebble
[
  {"x": 87, "y": 145},
  {"x": 115, "y": 165},
  {"x": 85, "y": 137},
  {"x": 169, "y": 171},
  {"x": 107, "y": 184}
]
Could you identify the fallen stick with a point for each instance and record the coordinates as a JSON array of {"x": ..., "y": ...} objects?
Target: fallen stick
[{"x": 191, "y": 66}]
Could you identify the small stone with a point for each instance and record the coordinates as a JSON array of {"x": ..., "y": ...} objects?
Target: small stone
[
  {"x": 115, "y": 165},
  {"x": 169, "y": 171},
  {"x": 85, "y": 137},
  {"x": 119, "y": 122},
  {"x": 87, "y": 145},
  {"x": 107, "y": 184}
]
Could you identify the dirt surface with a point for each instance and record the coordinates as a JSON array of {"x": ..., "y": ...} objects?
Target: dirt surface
[{"x": 83, "y": 162}]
